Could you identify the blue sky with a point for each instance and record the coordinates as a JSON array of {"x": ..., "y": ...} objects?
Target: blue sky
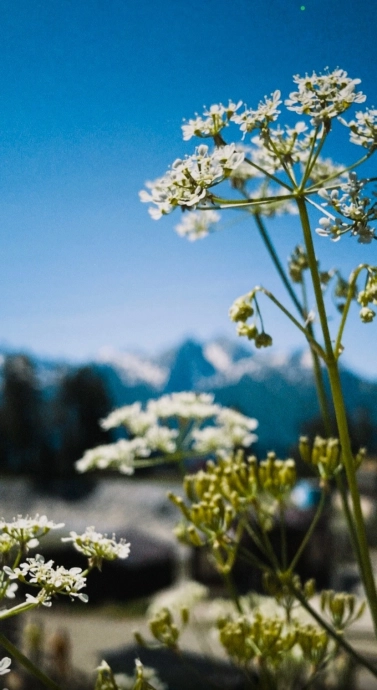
[{"x": 93, "y": 96}]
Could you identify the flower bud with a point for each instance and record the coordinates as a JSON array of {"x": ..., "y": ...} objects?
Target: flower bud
[
  {"x": 367, "y": 315},
  {"x": 250, "y": 331},
  {"x": 263, "y": 340}
]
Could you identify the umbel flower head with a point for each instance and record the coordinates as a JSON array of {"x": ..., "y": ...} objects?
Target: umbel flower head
[
  {"x": 25, "y": 531},
  {"x": 189, "y": 181},
  {"x": 49, "y": 579},
  {"x": 324, "y": 96},
  {"x": 98, "y": 547},
  {"x": 175, "y": 426}
]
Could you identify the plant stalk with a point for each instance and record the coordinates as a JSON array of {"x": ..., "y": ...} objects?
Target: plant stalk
[{"x": 362, "y": 553}]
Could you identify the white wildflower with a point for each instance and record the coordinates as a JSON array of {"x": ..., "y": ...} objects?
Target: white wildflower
[
  {"x": 130, "y": 416},
  {"x": 197, "y": 224},
  {"x": 52, "y": 580},
  {"x": 266, "y": 112},
  {"x": 97, "y": 546},
  {"x": 324, "y": 96},
  {"x": 231, "y": 418},
  {"x": 186, "y": 405},
  {"x": 25, "y": 531},
  {"x": 114, "y": 456},
  {"x": 363, "y": 128},
  {"x": 215, "y": 119},
  {"x": 161, "y": 438},
  {"x": 210, "y": 440},
  {"x": 188, "y": 182},
  {"x": 356, "y": 209},
  {"x": 232, "y": 429}
]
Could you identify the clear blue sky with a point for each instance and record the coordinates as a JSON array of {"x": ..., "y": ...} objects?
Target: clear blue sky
[{"x": 93, "y": 96}]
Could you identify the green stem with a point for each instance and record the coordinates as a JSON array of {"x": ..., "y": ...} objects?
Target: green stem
[
  {"x": 232, "y": 591},
  {"x": 283, "y": 536},
  {"x": 362, "y": 553},
  {"x": 269, "y": 175},
  {"x": 347, "y": 456},
  {"x": 27, "y": 664},
  {"x": 312, "y": 159},
  {"x": 245, "y": 203},
  {"x": 350, "y": 296},
  {"x": 318, "y": 375},
  {"x": 16, "y": 610},
  {"x": 335, "y": 636},
  {"x": 267, "y": 551},
  {"x": 276, "y": 261},
  {"x": 321, "y": 391},
  {"x": 348, "y": 514},
  {"x": 313, "y": 343},
  {"x": 309, "y": 533},
  {"x": 319, "y": 185}
]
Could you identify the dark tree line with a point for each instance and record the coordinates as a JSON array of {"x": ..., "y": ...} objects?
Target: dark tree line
[{"x": 44, "y": 435}]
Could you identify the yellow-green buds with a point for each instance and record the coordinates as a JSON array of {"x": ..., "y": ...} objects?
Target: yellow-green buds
[
  {"x": 342, "y": 609},
  {"x": 249, "y": 331},
  {"x": 261, "y": 638},
  {"x": 241, "y": 309},
  {"x": 277, "y": 477},
  {"x": 164, "y": 630},
  {"x": 314, "y": 644},
  {"x": 368, "y": 296},
  {"x": 367, "y": 315},
  {"x": 325, "y": 454}
]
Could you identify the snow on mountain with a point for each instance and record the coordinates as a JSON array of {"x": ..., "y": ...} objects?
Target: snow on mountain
[{"x": 133, "y": 368}]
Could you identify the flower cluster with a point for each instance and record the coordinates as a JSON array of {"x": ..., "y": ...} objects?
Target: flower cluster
[
  {"x": 51, "y": 580},
  {"x": 356, "y": 210},
  {"x": 368, "y": 296},
  {"x": 118, "y": 456},
  {"x": 25, "y": 532},
  {"x": 189, "y": 181},
  {"x": 215, "y": 119},
  {"x": 364, "y": 129},
  {"x": 343, "y": 609},
  {"x": 324, "y": 96},
  {"x": 170, "y": 426},
  {"x": 240, "y": 311},
  {"x": 233, "y": 430},
  {"x": 98, "y": 547},
  {"x": 223, "y": 491},
  {"x": 266, "y": 112},
  {"x": 247, "y": 638},
  {"x": 196, "y": 225}
]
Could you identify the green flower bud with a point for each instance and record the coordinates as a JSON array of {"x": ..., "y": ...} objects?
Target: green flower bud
[
  {"x": 304, "y": 449},
  {"x": 263, "y": 340}
]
